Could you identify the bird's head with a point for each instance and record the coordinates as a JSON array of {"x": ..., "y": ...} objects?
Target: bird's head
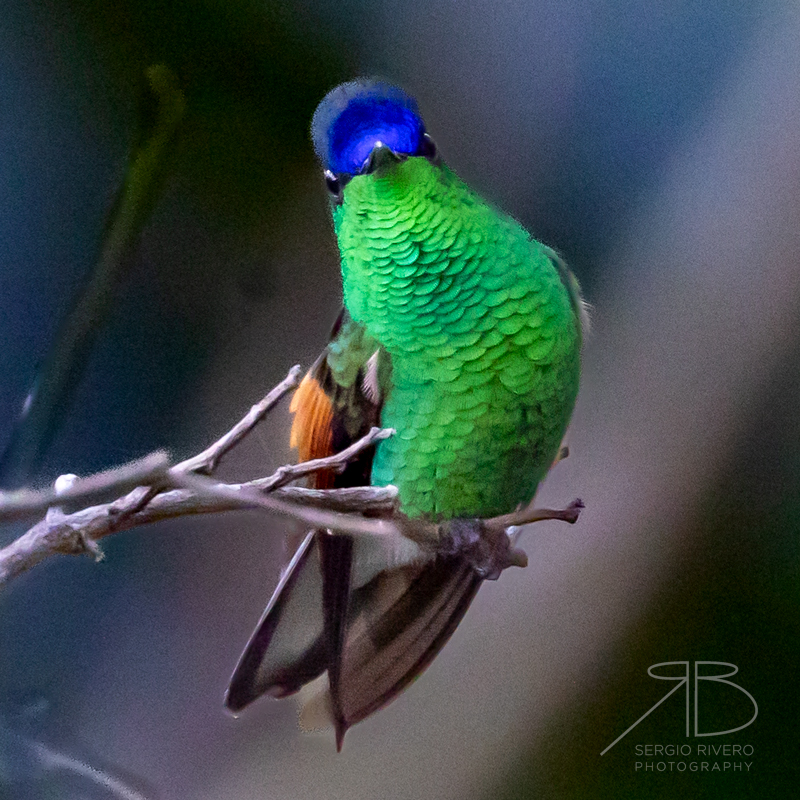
[{"x": 367, "y": 128}]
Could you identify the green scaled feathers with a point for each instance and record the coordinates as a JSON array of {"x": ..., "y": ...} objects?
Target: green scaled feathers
[{"x": 482, "y": 327}]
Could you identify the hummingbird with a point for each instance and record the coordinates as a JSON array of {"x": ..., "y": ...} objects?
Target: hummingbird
[{"x": 462, "y": 333}]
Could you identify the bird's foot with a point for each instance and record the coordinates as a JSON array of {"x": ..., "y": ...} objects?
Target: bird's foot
[
  {"x": 489, "y": 550},
  {"x": 490, "y": 545}
]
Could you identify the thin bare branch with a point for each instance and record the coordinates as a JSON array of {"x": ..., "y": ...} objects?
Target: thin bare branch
[
  {"x": 151, "y": 469},
  {"x": 77, "y": 534},
  {"x": 140, "y": 483},
  {"x": 336, "y": 463},
  {"x": 185, "y": 489},
  {"x": 529, "y": 514},
  {"x": 373, "y": 500},
  {"x": 206, "y": 462},
  {"x": 248, "y": 497}
]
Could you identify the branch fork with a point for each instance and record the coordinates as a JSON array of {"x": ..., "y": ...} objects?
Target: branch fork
[{"x": 150, "y": 489}]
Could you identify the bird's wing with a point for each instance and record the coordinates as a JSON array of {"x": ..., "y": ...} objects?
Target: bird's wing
[
  {"x": 286, "y": 650},
  {"x": 373, "y": 639},
  {"x": 336, "y": 403},
  {"x": 579, "y": 306},
  {"x": 397, "y": 625}
]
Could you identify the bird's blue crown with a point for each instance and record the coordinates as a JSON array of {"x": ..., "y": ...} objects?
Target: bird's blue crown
[{"x": 354, "y": 116}]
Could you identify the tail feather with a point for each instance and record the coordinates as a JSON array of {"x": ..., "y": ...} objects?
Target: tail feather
[
  {"x": 287, "y": 648},
  {"x": 398, "y": 624}
]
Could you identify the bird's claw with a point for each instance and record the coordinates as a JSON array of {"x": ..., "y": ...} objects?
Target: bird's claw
[{"x": 488, "y": 551}]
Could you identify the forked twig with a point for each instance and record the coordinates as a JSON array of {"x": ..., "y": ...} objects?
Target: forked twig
[{"x": 185, "y": 489}]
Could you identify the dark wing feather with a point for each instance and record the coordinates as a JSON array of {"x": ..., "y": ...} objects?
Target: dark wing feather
[
  {"x": 374, "y": 639},
  {"x": 337, "y": 561},
  {"x": 301, "y": 630},
  {"x": 286, "y": 649},
  {"x": 398, "y": 624}
]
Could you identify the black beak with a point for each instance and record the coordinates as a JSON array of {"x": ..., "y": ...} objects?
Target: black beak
[{"x": 381, "y": 159}]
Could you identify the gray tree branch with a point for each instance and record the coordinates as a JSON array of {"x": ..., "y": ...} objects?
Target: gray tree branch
[{"x": 185, "y": 489}]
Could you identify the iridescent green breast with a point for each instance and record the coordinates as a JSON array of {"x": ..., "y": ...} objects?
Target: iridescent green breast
[{"x": 483, "y": 335}]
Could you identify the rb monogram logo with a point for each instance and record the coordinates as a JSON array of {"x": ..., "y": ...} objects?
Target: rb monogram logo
[{"x": 683, "y": 680}]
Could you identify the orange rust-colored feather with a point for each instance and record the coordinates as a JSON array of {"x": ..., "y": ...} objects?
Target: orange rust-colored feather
[{"x": 312, "y": 432}]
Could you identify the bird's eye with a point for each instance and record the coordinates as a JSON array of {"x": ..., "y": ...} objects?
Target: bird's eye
[
  {"x": 333, "y": 183},
  {"x": 427, "y": 148}
]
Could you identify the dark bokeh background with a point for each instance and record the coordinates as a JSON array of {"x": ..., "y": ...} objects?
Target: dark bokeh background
[{"x": 657, "y": 146}]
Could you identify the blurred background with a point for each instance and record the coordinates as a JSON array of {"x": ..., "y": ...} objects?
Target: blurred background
[{"x": 657, "y": 146}]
